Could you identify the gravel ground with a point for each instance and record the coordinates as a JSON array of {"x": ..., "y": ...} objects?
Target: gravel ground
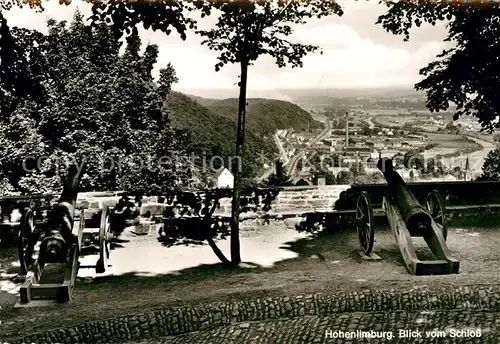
[{"x": 148, "y": 276}]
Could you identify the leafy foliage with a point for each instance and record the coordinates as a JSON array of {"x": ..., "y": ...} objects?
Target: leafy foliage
[
  {"x": 18, "y": 67},
  {"x": 413, "y": 159},
  {"x": 491, "y": 166},
  {"x": 279, "y": 177},
  {"x": 211, "y": 125},
  {"x": 468, "y": 74},
  {"x": 247, "y": 30},
  {"x": 265, "y": 116},
  {"x": 124, "y": 16},
  {"x": 434, "y": 167}
]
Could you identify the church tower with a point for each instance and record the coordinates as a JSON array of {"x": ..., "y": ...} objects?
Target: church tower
[{"x": 468, "y": 172}]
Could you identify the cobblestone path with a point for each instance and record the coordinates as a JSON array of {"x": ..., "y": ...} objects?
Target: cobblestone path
[{"x": 456, "y": 326}]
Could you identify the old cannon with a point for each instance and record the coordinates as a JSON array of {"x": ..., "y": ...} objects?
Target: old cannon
[
  {"x": 11, "y": 213},
  {"x": 408, "y": 218},
  {"x": 56, "y": 244},
  {"x": 190, "y": 215}
]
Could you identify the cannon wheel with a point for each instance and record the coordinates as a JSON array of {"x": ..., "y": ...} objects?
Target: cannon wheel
[
  {"x": 435, "y": 206},
  {"x": 365, "y": 223},
  {"x": 24, "y": 239},
  {"x": 104, "y": 236}
]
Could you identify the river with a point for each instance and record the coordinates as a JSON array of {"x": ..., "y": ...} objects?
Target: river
[{"x": 476, "y": 159}]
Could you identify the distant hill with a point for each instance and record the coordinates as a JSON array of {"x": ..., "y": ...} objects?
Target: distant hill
[
  {"x": 201, "y": 100},
  {"x": 338, "y": 98},
  {"x": 211, "y": 125},
  {"x": 366, "y": 93},
  {"x": 265, "y": 116},
  {"x": 295, "y": 95}
]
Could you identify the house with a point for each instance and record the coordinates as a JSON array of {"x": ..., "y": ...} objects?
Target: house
[
  {"x": 300, "y": 182},
  {"x": 408, "y": 174},
  {"x": 319, "y": 148},
  {"x": 321, "y": 181},
  {"x": 225, "y": 179},
  {"x": 417, "y": 137},
  {"x": 362, "y": 152}
]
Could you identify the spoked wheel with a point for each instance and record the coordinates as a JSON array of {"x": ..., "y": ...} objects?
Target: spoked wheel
[
  {"x": 365, "y": 223},
  {"x": 25, "y": 248},
  {"x": 105, "y": 236},
  {"x": 435, "y": 206}
]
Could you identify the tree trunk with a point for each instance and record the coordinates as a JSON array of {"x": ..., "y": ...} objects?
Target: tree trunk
[
  {"x": 207, "y": 218},
  {"x": 240, "y": 139},
  {"x": 218, "y": 252}
]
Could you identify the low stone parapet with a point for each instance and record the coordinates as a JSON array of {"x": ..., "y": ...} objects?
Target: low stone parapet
[
  {"x": 289, "y": 198},
  {"x": 289, "y": 202}
]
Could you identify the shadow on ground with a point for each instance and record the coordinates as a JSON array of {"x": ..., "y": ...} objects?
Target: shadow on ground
[{"x": 323, "y": 263}]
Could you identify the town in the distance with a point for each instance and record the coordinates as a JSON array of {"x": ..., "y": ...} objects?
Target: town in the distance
[{"x": 359, "y": 127}]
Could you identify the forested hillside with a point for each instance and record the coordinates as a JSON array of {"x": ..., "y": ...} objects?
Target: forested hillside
[
  {"x": 265, "y": 116},
  {"x": 211, "y": 125},
  {"x": 212, "y": 135}
]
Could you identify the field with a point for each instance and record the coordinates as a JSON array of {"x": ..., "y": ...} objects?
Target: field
[
  {"x": 449, "y": 141},
  {"x": 437, "y": 151},
  {"x": 395, "y": 121}
]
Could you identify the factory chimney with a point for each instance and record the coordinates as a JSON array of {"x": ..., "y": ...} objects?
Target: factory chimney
[{"x": 346, "y": 129}]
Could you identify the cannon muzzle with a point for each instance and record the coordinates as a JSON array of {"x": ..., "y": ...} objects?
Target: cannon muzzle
[
  {"x": 414, "y": 214},
  {"x": 58, "y": 235},
  {"x": 54, "y": 249}
]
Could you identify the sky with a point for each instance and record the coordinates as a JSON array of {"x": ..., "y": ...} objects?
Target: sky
[{"x": 356, "y": 52}]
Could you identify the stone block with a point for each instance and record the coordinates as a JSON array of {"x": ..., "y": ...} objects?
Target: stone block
[
  {"x": 153, "y": 208},
  {"x": 319, "y": 203},
  {"x": 143, "y": 227},
  {"x": 89, "y": 214},
  {"x": 283, "y": 200},
  {"x": 93, "y": 204},
  {"x": 225, "y": 202},
  {"x": 298, "y": 203},
  {"x": 109, "y": 202},
  {"x": 82, "y": 204}
]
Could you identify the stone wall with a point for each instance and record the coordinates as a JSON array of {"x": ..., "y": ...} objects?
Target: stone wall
[
  {"x": 290, "y": 199},
  {"x": 309, "y": 198},
  {"x": 290, "y": 202},
  {"x": 175, "y": 321}
]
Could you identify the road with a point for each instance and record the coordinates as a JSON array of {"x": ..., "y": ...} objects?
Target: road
[
  {"x": 370, "y": 123},
  {"x": 283, "y": 157},
  {"x": 292, "y": 166}
]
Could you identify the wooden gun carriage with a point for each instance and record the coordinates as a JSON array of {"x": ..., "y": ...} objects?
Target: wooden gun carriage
[
  {"x": 191, "y": 214},
  {"x": 407, "y": 216},
  {"x": 55, "y": 243},
  {"x": 8, "y": 204}
]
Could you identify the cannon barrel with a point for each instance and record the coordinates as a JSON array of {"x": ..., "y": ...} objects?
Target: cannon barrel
[
  {"x": 414, "y": 214},
  {"x": 58, "y": 234}
]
